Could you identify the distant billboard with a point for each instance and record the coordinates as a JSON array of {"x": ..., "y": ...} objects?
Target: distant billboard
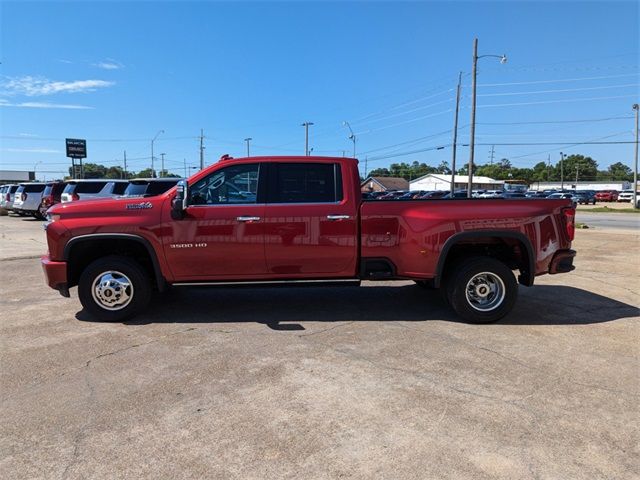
[{"x": 76, "y": 148}]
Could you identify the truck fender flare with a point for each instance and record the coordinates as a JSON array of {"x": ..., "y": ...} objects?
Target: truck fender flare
[
  {"x": 526, "y": 278},
  {"x": 160, "y": 281}
]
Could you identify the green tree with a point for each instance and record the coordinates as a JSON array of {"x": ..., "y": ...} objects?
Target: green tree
[
  {"x": 587, "y": 168},
  {"x": 619, "y": 171},
  {"x": 146, "y": 173},
  {"x": 444, "y": 167}
]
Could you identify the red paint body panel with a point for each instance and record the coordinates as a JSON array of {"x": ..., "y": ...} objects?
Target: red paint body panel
[
  {"x": 412, "y": 233},
  {"x": 299, "y": 241},
  {"x": 55, "y": 273}
]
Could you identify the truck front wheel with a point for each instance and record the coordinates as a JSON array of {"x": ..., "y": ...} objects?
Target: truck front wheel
[
  {"x": 481, "y": 289},
  {"x": 114, "y": 288}
]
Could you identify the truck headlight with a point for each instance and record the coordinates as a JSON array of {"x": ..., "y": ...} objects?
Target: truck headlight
[{"x": 50, "y": 219}]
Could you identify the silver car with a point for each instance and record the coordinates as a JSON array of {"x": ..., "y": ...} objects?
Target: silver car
[
  {"x": 6, "y": 201},
  {"x": 27, "y": 199},
  {"x": 92, "y": 189}
]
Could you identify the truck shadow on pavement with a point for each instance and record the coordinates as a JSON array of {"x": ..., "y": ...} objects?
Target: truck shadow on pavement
[{"x": 290, "y": 308}]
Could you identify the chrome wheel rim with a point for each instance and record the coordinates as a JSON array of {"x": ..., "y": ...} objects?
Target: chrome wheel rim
[
  {"x": 112, "y": 290},
  {"x": 485, "y": 291}
]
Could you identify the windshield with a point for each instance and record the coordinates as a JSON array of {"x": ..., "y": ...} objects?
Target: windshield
[{"x": 136, "y": 189}]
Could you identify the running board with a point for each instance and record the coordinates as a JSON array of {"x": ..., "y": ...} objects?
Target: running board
[{"x": 343, "y": 282}]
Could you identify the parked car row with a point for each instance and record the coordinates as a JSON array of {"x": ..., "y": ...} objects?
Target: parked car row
[
  {"x": 35, "y": 198},
  {"x": 585, "y": 197}
]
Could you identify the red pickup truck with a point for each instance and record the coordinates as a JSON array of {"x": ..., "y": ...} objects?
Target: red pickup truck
[{"x": 301, "y": 220}]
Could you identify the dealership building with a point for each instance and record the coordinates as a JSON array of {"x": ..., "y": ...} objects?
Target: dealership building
[{"x": 16, "y": 176}]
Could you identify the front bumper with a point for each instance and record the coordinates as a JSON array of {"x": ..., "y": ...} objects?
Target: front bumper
[
  {"x": 55, "y": 274},
  {"x": 562, "y": 261}
]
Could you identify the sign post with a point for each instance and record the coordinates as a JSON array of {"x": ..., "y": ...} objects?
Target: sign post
[{"x": 76, "y": 149}]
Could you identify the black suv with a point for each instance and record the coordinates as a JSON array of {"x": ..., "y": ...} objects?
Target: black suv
[
  {"x": 149, "y": 187},
  {"x": 585, "y": 197}
]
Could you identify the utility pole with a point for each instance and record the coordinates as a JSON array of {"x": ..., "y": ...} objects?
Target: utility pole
[
  {"x": 248, "y": 139},
  {"x": 306, "y": 126},
  {"x": 472, "y": 135},
  {"x": 352, "y": 137},
  {"x": 577, "y": 173},
  {"x": 153, "y": 172},
  {"x": 366, "y": 160},
  {"x": 162, "y": 165},
  {"x": 201, "y": 149},
  {"x": 636, "y": 107},
  {"x": 562, "y": 155},
  {"x": 455, "y": 135},
  {"x": 185, "y": 167},
  {"x": 492, "y": 153},
  {"x": 126, "y": 175},
  {"x": 472, "y": 138},
  {"x": 548, "y": 167}
]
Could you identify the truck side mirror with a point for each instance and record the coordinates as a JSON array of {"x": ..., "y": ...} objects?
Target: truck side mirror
[{"x": 180, "y": 201}]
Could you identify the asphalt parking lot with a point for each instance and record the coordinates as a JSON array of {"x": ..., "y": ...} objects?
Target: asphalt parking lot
[{"x": 375, "y": 382}]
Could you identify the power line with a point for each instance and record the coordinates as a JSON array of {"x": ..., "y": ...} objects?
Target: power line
[
  {"x": 415, "y": 140},
  {"x": 536, "y": 82},
  {"x": 568, "y": 146},
  {"x": 536, "y": 92},
  {"x": 556, "y": 121},
  {"x": 405, "y": 122},
  {"x": 555, "y": 101},
  {"x": 408, "y": 111}
]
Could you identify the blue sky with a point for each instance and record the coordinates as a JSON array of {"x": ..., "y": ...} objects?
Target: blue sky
[{"x": 117, "y": 73}]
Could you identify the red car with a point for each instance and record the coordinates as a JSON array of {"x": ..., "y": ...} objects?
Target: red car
[
  {"x": 264, "y": 221},
  {"x": 607, "y": 196}
]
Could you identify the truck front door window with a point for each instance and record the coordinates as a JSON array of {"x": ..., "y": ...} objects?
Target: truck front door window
[{"x": 236, "y": 184}]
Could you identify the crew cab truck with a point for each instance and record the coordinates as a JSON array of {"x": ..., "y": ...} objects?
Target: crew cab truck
[{"x": 297, "y": 221}]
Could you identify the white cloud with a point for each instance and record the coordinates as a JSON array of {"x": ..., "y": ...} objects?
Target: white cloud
[
  {"x": 32, "y": 150},
  {"x": 38, "y": 86},
  {"x": 109, "y": 64},
  {"x": 66, "y": 106}
]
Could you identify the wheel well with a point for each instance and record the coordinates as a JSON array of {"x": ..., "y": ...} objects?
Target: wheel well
[
  {"x": 511, "y": 251},
  {"x": 81, "y": 254}
]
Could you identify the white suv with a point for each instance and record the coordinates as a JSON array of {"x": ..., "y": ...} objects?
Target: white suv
[{"x": 625, "y": 196}]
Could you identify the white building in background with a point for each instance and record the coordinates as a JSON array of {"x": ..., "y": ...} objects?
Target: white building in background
[
  {"x": 435, "y": 181},
  {"x": 14, "y": 176}
]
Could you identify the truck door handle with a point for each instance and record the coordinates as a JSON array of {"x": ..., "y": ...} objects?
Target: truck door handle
[
  {"x": 338, "y": 217},
  {"x": 248, "y": 219}
]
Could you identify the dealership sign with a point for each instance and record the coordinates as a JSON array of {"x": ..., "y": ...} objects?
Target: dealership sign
[{"x": 76, "y": 148}]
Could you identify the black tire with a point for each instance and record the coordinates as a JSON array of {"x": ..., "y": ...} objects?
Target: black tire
[
  {"x": 489, "y": 273},
  {"x": 123, "y": 269},
  {"x": 41, "y": 213}
]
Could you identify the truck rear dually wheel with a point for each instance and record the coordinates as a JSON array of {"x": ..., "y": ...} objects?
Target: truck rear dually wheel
[
  {"x": 481, "y": 289},
  {"x": 114, "y": 288}
]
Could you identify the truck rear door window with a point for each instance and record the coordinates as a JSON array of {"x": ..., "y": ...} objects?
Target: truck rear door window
[
  {"x": 84, "y": 187},
  {"x": 305, "y": 183}
]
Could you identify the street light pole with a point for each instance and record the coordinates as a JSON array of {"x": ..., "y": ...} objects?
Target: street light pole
[
  {"x": 636, "y": 107},
  {"x": 152, "y": 157},
  {"x": 472, "y": 140},
  {"x": 306, "y": 126},
  {"x": 34, "y": 170},
  {"x": 562, "y": 155},
  {"x": 455, "y": 134},
  {"x": 352, "y": 137},
  {"x": 248, "y": 139}
]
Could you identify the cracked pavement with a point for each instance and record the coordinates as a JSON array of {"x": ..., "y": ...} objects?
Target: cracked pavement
[{"x": 375, "y": 382}]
